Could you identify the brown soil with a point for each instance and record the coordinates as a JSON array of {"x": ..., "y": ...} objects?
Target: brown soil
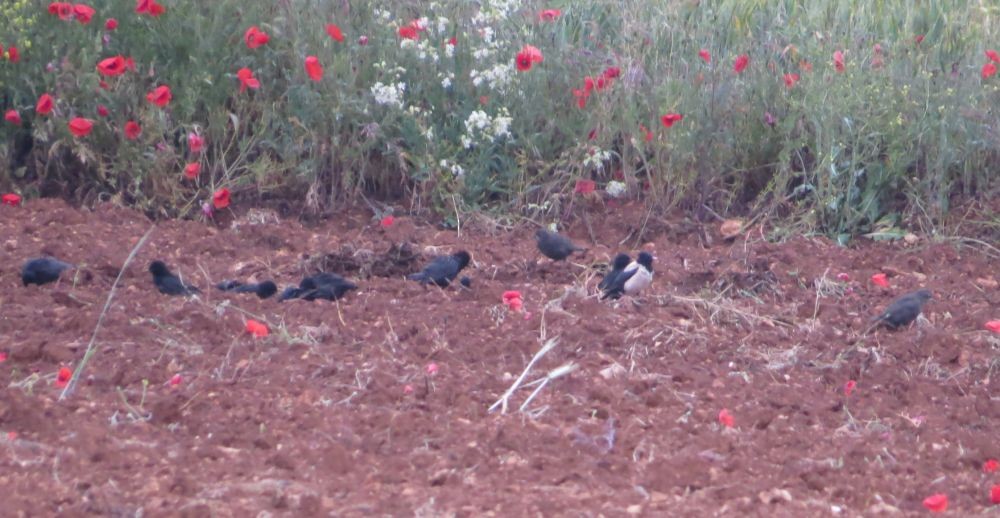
[{"x": 317, "y": 419}]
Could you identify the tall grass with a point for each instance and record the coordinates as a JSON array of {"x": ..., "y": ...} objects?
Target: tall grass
[{"x": 907, "y": 125}]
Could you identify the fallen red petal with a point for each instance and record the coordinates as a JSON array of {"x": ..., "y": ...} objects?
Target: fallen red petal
[{"x": 936, "y": 503}]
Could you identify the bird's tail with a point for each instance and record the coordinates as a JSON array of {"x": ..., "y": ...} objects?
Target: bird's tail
[
  {"x": 229, "y": 285},
  {"x": 419, "y": 276},
  {"x": 878, "y": 318}
]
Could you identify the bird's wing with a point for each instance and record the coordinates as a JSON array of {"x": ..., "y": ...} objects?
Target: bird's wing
[
  {"x": 617, "y": 285},
  {"x": 608, "y": 279}
]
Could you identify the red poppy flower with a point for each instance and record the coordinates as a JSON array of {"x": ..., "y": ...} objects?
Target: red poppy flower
[
  {"x": 13, "y": 55},
  {"x": 647, "y": 135},
  {"x": 132, "y": 130},
  {"x": 335, "y": 32},
  {"x": 221, "y": 198},
  {"x": 994, "y": 326},
  {"x": 994, "y": 57},
  {"x": 110, "y": 24},
  {"x": 408, "y": 32},
  {"x": 585, "y": 187},
  {"x": 247, "y": 80},
  {"x": 84, "y": 13},
  {"x": 528, "y": 56},
  {"x": 581, "y": 97},
  {"x": 995, "y": 494},
  {"x": 160, "y": 96},
  {"x": 588, "y": 84},
  {"x": 989, "y": 69},
  {"x": 175, "y": 380},
  {"x": 102, "y": 110},
  {"x": 838, "y": 61},
  {"x": 726, "y": 419},
  {"x": 362, "y": 40},
  {"x": 612, "y": 72},
  {"x": 592, "y": 134},
  {"x": 313, "y": 68},
  {"x": 63, "y": 377},
  {"x": 849, "y": 387},
  {"x": 10, "y": 199},
  {"x": 879, "y": 279},
  {"x": 991, "y": 465},
  {"x": 705, "y": 55},
  {"x": 45, "y": 104},
  {"x": 919, "y": 38},
  {"x": 452, "y": 41},
  {"x": 669, "y": 119},
  {"x": 192, "y": 170},
  {"x": 936, "y": 503},
  {"x": 387, "y": 221},
  {"x": 550, "y": 15},
  {"x": 112, "y": 66},
  {"x": 13, "y": 117},
  {"x": 256, "y": 329},
  {"x": 149, "y": 7},
  {"x": 254, "y": 37},
  {"x": 80, "y": 127},
  {"x": 791, "y": 79},
  {"x": 431, "y": 368},
  {"x": 512, "y": 299},
  {"x": 103, "y": 85},
  {"x": 741, "y": 63},
  {"x": 130, "y": 64},
  {"x": 62, "y": 9},
  {"x": 196, "y": 143}
]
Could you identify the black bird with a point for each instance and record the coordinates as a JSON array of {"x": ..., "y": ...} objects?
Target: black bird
[
  {"x": 555, "y": 246},
  {"x": 903, "y": 310},
  {"x": 634, "y": 278},
  {"x": 168, "y": 283},
  {"x": 262, "y": 289},
  {"x": 228, "y": 285},
  {"x": 42, "y": 270},
  {"x": 443, "y": 269},
  {"x": 328, "y": 286},
  {"x": 617, "y": 266}
]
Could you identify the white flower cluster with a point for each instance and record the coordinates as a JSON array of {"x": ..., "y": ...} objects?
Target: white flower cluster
[
  {"x": 396, "y": 71},
  {"x": 480, "y": 127},
  {"x": 424, "y": 49},
  {"x": 615, "y": 189},
  {"x": 390, "y": 95},
  {"x": 497, "y": 78},
  {"x": 596, "y": 158},
  {"x": 496, "y": 10},
  {"x": 382, "y": 14},
  {"x": 455, "y": 169},
  {"x": 442, "y": 24},
  {"x": 447, "y": 80}
]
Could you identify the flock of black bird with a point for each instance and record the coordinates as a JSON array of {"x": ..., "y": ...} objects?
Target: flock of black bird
[{"x": 624, "y": 277}]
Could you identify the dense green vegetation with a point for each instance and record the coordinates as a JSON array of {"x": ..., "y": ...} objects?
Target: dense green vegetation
[{"x": 847, "y": 115}]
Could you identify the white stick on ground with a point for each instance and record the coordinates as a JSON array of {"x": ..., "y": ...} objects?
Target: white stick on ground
[
  {"x": 502, "y": 402},
  {"x": 91, "y": 349},
  {"x": 553, "y": 374}
]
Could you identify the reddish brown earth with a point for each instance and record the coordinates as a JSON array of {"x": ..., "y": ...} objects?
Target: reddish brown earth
[{"x": 315, "y": 419}]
